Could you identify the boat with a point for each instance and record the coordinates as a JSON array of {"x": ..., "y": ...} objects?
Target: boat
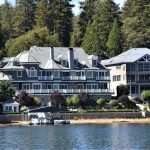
[{"x": 61, "y": 121}]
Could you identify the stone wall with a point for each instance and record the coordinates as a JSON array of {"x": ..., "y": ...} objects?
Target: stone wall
[{"x": 100, "y": 115}]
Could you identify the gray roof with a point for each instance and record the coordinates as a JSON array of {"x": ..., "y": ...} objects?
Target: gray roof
[
  {"x": 10, "y": 101},
  {"x": 132, "y": 55},
  {"x": 41, "y": 55}
]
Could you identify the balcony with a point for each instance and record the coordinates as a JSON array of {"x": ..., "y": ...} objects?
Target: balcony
[
  {"x": 45, "y": 77},
  {"x": 99, "y": 78},
  {"x": 73, "y": 78},
  {"x": 68, "y": 91}
]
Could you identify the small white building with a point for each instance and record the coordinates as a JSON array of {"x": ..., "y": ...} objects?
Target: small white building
[{"x": 11, "y": 105}]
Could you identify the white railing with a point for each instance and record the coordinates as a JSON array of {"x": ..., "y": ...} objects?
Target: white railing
[
  {"x": 103, "y": 78},
  {"x": 68, "y": 91},
  {"x": 45, "y": 77},
  {"x": 73, "y": 78}
]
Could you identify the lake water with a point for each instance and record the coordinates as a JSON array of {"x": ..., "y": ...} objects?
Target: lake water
[{"x": 76, "y": 137}]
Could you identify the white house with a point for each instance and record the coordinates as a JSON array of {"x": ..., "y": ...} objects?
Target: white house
[{"x": 10, "y": 105}]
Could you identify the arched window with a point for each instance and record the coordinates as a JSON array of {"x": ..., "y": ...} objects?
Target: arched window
[{"x": 32, "y": 72}]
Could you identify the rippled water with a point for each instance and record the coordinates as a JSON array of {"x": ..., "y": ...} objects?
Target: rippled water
[{"x": 76, "y": 137}]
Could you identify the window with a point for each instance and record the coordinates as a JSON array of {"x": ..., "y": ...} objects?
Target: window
[
  {"x": 63, "y": 86},
  {"x": 89, "y": 74},
  {"x": 19, "y": 73},
  {"x": 26, "y": 86},
  {"x": 63, "y": 62},
  {"x": 117, "y": 78},
  {"x": 32, "y": 72},
  {"x": 55, "y": 86},
  {"x": 56, "y": 74},
  {"x": 94, "y": 62},
  {"x": 49, "y": 86},
  {"x": 36, "y": 86},
  {"x": 92, "y": 86},
  {"x": 80, "y": 86},
  {"x": 8, "y": 108},
  {"x": 75, "y": 62}
]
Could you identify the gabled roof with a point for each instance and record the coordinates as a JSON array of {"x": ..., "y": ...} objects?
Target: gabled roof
[
  {"x": 132, "y": 55},
  {"x": 41, "y": 56},
  {"x": 11, "y": 101}
]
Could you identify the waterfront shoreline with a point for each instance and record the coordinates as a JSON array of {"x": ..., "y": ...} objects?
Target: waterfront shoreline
[
  {"x": 110, "y": 121},
  {"x": 92, "y": 121}
]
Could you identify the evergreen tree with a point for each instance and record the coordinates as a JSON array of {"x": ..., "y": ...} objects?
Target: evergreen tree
[
  {"x": 90, "y": 40},
  {"x": 75, "y": 35},
  {"x": 6, "y": 20},
  {"x": 105, "y": 13},
  {"x": 136, "y": 24},
  {"x": 23, "y": 18},
  {"x": 114, "y": 39},
  {"x": 86, "y": 16},
  {"x": 42, "y": 13}
]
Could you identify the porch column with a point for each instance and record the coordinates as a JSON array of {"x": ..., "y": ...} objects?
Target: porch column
[
  {"x": 130, "y": 89},
  {"x": 139, "y": 91}
]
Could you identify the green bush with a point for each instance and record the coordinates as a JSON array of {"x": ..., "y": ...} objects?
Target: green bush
[
  {"x": 145, "y": 95},
  {"x": 114, "y": 103},
  {"x": 100, "y": 102},
  {"x": 72, "y": 101}
]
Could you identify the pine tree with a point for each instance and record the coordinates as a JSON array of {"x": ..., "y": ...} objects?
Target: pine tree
[
  {"x": 6, "y": 20},
  {"x": 105, "y": 13},
  {"x": 75, "y": 35},
  {"x": 23, "y": 18},
  {"x": 42, "y": 13},
  {"x": 114, "y": 39},
  {"x": 86, "y": 16},
  {"x": 136, "y": 24}
]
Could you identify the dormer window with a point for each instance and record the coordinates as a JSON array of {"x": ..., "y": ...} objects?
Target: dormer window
[
  {"x": 15, "y": 63},
  {"x": 32, "y": 72},
  {"x": 75, "y": 62},
  {"x": 94, "y": 62},
  {"x": 63, "y": 62}
]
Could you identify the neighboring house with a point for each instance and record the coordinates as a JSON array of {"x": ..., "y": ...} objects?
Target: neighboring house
[
  {"x": 42, "y": 70},
  {"x": 131, "y": 68},
  {"x": 10, "y": 105}
]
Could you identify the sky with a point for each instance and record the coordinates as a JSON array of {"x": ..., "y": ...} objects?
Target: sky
[{"x": 75, "y": 2}]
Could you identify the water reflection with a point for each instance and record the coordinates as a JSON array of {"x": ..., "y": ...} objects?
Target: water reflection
[{"x": 76, "y": 137}]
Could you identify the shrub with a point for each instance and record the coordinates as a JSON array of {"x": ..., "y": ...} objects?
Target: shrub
[
  {"x": 100, "y": 102},
  {"x": 145, "y": 95},
  {"x": 124, "y": 100},
  {"x": 114, "y": 103},
  {"x": 83, "y": 99},
  {"x": 122, "y": 90}
]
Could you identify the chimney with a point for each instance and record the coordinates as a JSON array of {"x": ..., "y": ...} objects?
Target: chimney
[
  {"x": 99, "y": 58},
  {"x": 71, "y": 58},
  {"x": 51, "y": 53}
]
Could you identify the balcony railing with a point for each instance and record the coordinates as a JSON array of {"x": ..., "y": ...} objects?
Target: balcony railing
[
  {"x": 45, "y": 77},
  {"x": 68, "y": 91},
  {"x": 73, "y": 78},
  {"x": 98, "y": 78}
]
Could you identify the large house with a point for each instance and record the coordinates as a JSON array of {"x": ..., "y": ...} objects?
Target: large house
[
  {"x": 131, "y": 68},
  {"x": 42, "y": 70}
]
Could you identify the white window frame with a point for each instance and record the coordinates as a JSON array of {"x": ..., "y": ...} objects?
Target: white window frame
[
  {"x": 94, "y": 64},
  {"x": 75, "y": 62},
  {"x": 58, "y": 74},
  {"x": 36, "y": 84},
  {"x": 56, "y": 84},
  {"x": 50, "y": 85},
  {"x": 80, "y": 85},
  {"x": 34, "y": 71},
  {"x": 64, "y": 85},
  {"x": 91, "y": 86},
  {"x": 90, "y": 76},
  {"x": 25, "y": 85},
  {"x": 19, "y": 71}
]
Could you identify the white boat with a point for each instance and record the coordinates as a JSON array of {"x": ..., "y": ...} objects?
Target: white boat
[{"x": 57, "y": 122}]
